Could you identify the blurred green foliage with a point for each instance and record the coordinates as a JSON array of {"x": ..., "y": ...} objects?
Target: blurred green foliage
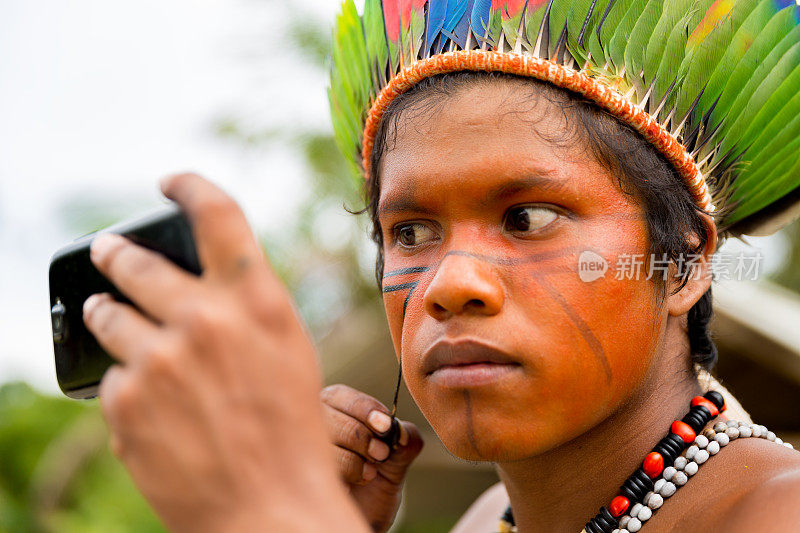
[{"x": 56, "y": 473}]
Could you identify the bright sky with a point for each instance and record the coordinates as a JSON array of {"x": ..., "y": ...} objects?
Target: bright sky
[{"x": 102, "y": 98}]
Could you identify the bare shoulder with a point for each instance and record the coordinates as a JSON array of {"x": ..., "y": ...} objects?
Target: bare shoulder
[
  {"x": 750, "y": 485},
  {"x": 772, "y": 506},
  {"x": 483, "y": 515}
]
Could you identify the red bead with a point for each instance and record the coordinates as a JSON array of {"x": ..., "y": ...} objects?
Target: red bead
[
  {"x": 653, "y": 464},
  {"x": 724, "y": 407},
  {"x": 699, "y": 400},
  {"x": 683, "y": 430},
  {"x": 618, "y": 506}
]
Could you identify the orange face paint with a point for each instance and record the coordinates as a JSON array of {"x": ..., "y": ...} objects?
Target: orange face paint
[{"x": 505, "y": 348}]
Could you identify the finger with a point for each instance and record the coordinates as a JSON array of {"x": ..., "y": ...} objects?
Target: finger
[
  {"x": 395, "y": 467},
  {"x": 353, "y": 468},
  {"x": 225, "y": 243},
  {"x": 350, "y": 434},
  {"x": 120, "y": 329},
  {"x": 150, "y": 280},
  {"x": 109, "y": 392},
  {"x": 360, "y": 406}
]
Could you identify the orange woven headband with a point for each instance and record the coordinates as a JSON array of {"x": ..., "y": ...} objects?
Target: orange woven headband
[{"x": 560, "y": 76}]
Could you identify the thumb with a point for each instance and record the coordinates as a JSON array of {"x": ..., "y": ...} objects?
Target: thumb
[{"x": 403, "y": 454}]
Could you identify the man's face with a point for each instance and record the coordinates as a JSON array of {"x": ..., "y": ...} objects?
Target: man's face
[{"x": 505, "y": 348}]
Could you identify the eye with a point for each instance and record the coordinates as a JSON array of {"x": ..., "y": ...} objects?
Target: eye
[
  {"x": 413, "y": 234},
  {"x": 528, "y": 218}
]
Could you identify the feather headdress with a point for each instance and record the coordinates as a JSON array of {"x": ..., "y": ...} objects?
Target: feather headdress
[{"x": 711, "y": 84}]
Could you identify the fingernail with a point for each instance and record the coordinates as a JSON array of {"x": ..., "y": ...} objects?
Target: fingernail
[
  {"x": 92, "y": 302},
  {"x": 403, "y": 440},
  {"x": 369, "y": 473},
  {"x": 380, "y": 422},
  {"x": 378, "y": 450},
  {"x": 102, "y": 245}
]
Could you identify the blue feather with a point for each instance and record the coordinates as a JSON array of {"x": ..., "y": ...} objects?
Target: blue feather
[
  {"x": 480, "y": 18},
  {"x": 437, "y": 10},
  {"x": 461, "y": 26}
]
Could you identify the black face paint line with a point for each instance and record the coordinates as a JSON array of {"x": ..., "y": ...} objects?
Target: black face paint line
[
  {"x": 402, "y": 286},
  {"x": 470, "y": 423},
  {"x": 399, "y": 287},
  {"x": 584, "y": 329}
]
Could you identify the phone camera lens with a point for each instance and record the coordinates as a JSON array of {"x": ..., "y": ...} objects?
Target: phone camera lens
[{"x": 58, "y": 317}]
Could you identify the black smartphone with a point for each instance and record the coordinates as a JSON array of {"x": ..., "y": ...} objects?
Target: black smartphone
[{"x": 80, "y": 361}]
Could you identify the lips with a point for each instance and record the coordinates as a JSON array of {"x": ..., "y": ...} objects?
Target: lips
[{"x": 445, "y": 354}]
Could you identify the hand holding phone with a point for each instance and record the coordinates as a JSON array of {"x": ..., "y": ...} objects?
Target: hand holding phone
[
  {"x": 80, "y": 360},
  {"x": 213, "y": 405}
]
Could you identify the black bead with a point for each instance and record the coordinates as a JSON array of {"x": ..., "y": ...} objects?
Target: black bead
[
  {"x": 605, "y": 524},
  {"x": 628, "y": 493},
  {"x": 508, "y": 516},
  {"x": 592, "y": 527},
  {"x": 642, "y": 476},
  {"x": 715, "y": 398},
  {"x": 677, "y": 440},
  {"x": 609, "y": 517},
  {"x": 694, "y": 421},
  {"x": 703, "y": 411}
]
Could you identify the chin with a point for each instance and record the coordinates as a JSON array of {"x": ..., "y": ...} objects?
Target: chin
[{"x": 490, "y": 436}]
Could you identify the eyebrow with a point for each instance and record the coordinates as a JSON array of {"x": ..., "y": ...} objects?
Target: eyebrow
[
  {"x": 511, "y": 188},
  {"x": 407, "y": 202}
]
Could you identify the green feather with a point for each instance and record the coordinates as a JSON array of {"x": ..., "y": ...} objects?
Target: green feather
[
  {"x": 671, "y": 25},
  {"x": 637, "y": 44},
  {"x": 765, "y": 92},
  {"x": 375, "y": 33},
  {"x": 559, "y": 12},
  {"x": 701, "y": 61},
  {"x": 533, "y": 25},
  {"x": 575, "y": 25},
  {"x": 617, "y": 36}
]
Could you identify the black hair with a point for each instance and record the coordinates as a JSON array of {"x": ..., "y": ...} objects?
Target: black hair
[{"x": 676, "y": 229}]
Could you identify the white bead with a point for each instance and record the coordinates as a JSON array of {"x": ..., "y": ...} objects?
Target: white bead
[
  {"x": 690, "y": 451},
  {"x": 647, "y": 497},
  {"x": 788, "y": 445},
  {"x": 644, "y": 514},
  {"x": 778, "y": 440},
  {"x": 764, "y": 431},
  {"x": 745, "y": 432},
  {"x": 656, "y": 501},
  {"x": 680, "y": 462},
  {"x": 713, "y": 447},
  {"x": 719, "y": 427},
  {"x": 668, "y": 489},
  {"x": 702, "y": 456},
  {"x": 722, "y": 439},
  {"x": 635, "y": 509},
  {"x": 691, "y": 468},
  {"x": 680, "y": 478},
  {"x": 732, "y": 423},
  {"x": 634, "y": 525},
  {"x": 616, "y": 531},
  {"x": 771, "y": 436},
  {"x": 732, "y": 432},
  {"x": 623, "y": 522},
  {"x": 669, "y": 472},
  {"x": 757, "y": 431},
  {"x": 658, "y": 485},
  {"x": 701, "y": 441}
]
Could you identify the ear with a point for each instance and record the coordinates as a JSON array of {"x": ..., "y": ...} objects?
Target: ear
[{"x": 700, "y": 279}]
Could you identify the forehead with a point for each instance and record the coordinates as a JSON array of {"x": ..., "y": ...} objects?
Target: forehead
[{"x": 483, "y": 136}]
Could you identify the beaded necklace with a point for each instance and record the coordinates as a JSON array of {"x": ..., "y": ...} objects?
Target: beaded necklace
[{"x": 670, "y": 464}]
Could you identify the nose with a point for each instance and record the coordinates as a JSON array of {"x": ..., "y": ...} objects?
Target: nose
[{"x": 463, "y": 284}]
